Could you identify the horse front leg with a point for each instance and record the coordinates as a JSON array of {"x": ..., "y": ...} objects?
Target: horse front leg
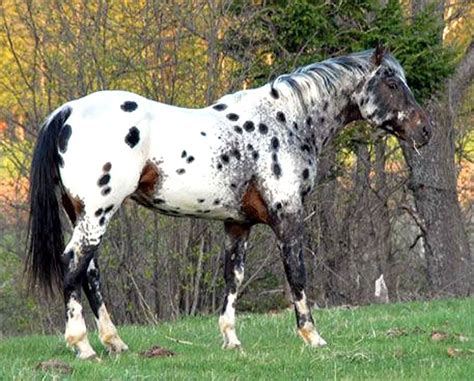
[
  {"x": 289, "y": 232},
  {"x": 235, "y": 250},
  {"x": 107, "y": 331}
]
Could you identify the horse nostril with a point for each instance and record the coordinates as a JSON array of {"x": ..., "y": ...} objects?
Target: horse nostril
[{"x": 426, "y": 132}]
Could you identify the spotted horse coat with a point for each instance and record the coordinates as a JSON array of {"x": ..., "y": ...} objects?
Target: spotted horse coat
[{"x": 249, "y": 158}]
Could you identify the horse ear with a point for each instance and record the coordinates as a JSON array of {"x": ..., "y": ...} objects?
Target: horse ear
[{"x": 378, "y": 55}]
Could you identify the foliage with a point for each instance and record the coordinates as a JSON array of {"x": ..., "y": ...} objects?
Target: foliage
[
  {"x": 307, "y": 31},
  {"x": 420, "y": 341}
]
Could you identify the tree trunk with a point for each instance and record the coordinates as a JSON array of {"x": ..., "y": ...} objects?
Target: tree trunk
[{"x": 433, "y": 182}]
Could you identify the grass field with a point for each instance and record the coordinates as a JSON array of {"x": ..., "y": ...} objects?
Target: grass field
[{"x": 418, "y": 341}]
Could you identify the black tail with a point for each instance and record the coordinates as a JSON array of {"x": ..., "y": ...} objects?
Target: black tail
[{"x": 45, "y": 234}]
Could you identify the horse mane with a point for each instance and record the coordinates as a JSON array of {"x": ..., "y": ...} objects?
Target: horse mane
[{"x": 327, "y": 75}]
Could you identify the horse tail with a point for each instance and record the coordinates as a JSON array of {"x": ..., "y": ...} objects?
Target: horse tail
[{"x": 45, "y": 233}]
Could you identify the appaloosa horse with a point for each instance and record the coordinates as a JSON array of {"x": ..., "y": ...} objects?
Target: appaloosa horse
[{"x": 249, "y": 158}]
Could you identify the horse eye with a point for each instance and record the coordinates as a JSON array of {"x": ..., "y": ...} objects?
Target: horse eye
[{"x": 392, "y": 85}]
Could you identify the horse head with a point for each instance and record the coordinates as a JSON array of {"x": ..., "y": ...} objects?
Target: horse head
[{"x": 385, "y": 100}]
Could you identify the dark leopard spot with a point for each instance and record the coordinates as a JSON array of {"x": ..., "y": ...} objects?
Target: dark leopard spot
[
  {"x": 321, "y": 120},
  {"x": 105, "y": 191},
  {"x": 201, "y": 200},
  {"x": 129, "y": 106},
  {"x": 99, "y": 212},
  {"x": 102, "y": 221},
  {"x": 250, "y": 147},
  {"x": 238, "y": 129},
  {"x": 219, "y": 107},
  {"x": 281, "y": 117},
  {"x": 274, "y": 93},
  {"x": 305, "y": 173},
  {"x": 232, "y": 116},
  {"x": 249, "y": 126},
  {"x": 133, "y": 137},
  {"x": 219, "y": 166},
  {"x": 236, "y": 153},
  {"x": 180, "y": 171},
  {"x": 108, "y": 209},
  {"x": 255, "y": 155},
  {"x": 103, "y": 180},
  {"x": 217, "y": 201},
  {"x": 275, "y": 143},
  {"x": 203, "y": 133},
  {"x": 262, "y": 128},
  {"x": 325, "y": 106},
  {"x": 63, "y": 138},
  {"x": 305, "y": 147},
  {"x": 190, "y": 159},
  {"x": 184, "y": 154},
  {"x": 278, "y": 205},
  {"x": 276, "y": 169},
  {"x": 309, "y": 120},
  {"x": 107, "y": 167},
  {"x": 225, "y": 158}
]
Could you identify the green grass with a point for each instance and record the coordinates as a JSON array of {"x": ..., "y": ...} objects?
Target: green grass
[{"x": 389, "y": 342}]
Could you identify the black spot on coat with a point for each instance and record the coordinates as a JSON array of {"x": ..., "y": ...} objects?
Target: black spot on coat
[
  {"x": 103, "y": 180},
  {"x": 249, "y": 126},
  {"x": 276, "y": 169},
  {"x": 190, "y": 159},
  {"x": 129, "y": 106},
  {"x": 180, "y": 171},
  {"x": 219, "y": 107},
  {"x": 105, "y": 191},
  {"x": 133, "y": 137},
  {"x": 225, "y": 158},
  {"x": 232, "y": 116},
  {"x": 281, "y": 117},
  {"x": 262, "y": 128},
  {"x": 238, "y": 129},
  {"x": 275, "y": 143},
  {"x": 236, "y": 153},
  {"x": 108, "y": 209},
  {"x": 305, "y": 173}
]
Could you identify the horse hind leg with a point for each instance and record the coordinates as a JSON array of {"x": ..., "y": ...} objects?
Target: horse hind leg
[
  {"x": 107, "y": 331},
  {"x": 235, "y": 249},
  {"x": 79, "y": 252}
]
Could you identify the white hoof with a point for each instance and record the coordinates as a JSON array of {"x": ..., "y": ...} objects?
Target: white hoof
[{"x": 311, "y": 337}]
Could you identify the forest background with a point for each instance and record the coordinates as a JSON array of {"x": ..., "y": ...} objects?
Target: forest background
[{"x": 378, "y": 207}]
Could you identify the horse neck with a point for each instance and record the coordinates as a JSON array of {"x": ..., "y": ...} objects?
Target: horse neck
[{"x": 323, "y": 112}]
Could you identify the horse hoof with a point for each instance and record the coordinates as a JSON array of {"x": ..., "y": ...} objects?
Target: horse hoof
[
  {"x": 319, "y": 343},
  {"x": 118, "y": 348},
  {"x": 234, "y": 345},
  {"x": 89, "y": 356}
]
